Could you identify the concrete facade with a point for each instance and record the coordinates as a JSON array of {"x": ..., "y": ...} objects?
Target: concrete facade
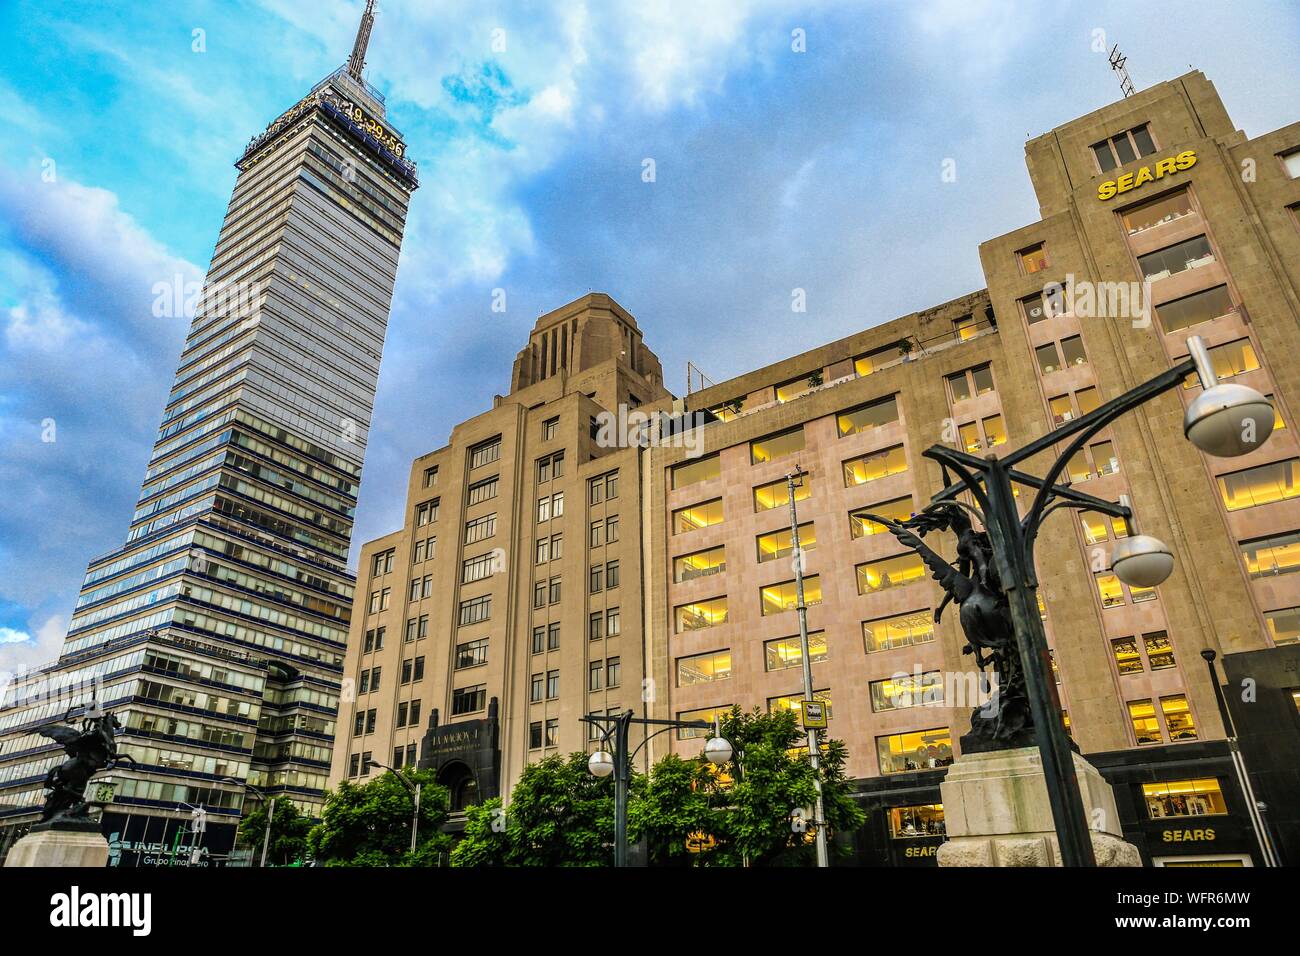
[{"x": 1217, "y": 256}]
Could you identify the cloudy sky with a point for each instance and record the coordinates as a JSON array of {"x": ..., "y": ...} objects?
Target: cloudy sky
[{"x": 776, "y": 169}]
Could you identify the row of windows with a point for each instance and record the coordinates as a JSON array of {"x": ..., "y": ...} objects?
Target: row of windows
[
  {"x": 857, "y": 471},
  {"x": 782, "y": 653},
  {"x": 854, "y": 421},
  {"x": 1156, "y": 653}
]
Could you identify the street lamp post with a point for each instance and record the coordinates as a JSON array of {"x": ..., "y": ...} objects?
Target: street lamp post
[
  {"x": 1225, "y": 420},
  {"x": 270, "y": 813},
  {"x": 795, "y": 480},
  {"x": 414, "y": 790},
  {"x": 1253, "y": 806},
  {"x": 619, "y": 762}
]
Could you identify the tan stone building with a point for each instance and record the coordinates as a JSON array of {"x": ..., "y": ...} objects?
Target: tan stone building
[{"x": 1160, "y": 221}]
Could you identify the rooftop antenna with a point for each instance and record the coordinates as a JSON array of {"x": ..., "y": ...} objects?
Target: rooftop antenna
[
  {"x": 693, "y": 375},
  {"x": 1117, "y": 61},
  {"x": 357, "y": 61}
]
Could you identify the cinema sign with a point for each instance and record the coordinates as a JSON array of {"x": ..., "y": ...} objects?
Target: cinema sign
[{"x": 1147, "y": 174}]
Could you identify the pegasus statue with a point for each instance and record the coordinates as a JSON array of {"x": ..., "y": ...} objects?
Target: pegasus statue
[
  {"x": 90, "y": 750},
  {"x": 973, "y": 583}
]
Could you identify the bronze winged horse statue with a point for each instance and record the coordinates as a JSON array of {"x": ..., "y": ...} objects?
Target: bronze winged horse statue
[
  {"x": 90, "y": 750},
  {"x": 985, "y": 616}
]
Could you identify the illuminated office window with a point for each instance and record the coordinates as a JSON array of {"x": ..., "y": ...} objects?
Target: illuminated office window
[
  {"x": 1283, "y": 625},
  {"x": 780, "y": 544},
  {"x": 693, "y": 517},
  {"x": 968, "y": 436},
  {"x": 1184, "y": 798},
  {"x": 995, "y": 431},
  {"x": 871, "y": 362},
  {"x": 1261, "y": 485},
  {"x": 1033, "y": 259},
  {"x": 709, "y": 714},
  {"x": 726, "y": 412},
  {"x": 1077, "y": 468},
  {"x": 922, "y": 820},
  {"x": 787, "y": 652},
  {"x": 866, "y": 417},
  {"x": 789, "y": 391},
  {"x": 1137, "y": 595},
  {"x": 778, "y": 705},
  {"x": 890, "y": 573},
  {"x": 700, "y": 564},
  {"x": 1111, "y": 591},
  {"x": 776, "y": 494},
  {"x": 1157, "y": 212},
  {"x": 704, "y": 668},
  {"x": 1146, "y": 726},
  {"x": 1127, "y": 658},
  {"x": 1178, "y": 717},
  {"x": 1160, "y": 653},
  {"x": 776, "y": 446},
  {"x": 860, "y": 526},
  {"x": 701, "y": 614},
  {"x": 1269, "y": 557},
  {"x": 783, "y": 597},
  {"x": 1194, "y": 309},
  {"x": 903, "y": 692},
  {"x": 1087, "y": 399},
  {"x": 1104, "y": 459},
  {"x": 1062, "y": 409},
  {"x": 1230, "y": 359},
  {"x": 920, "y": 750},
  {"x": 966, "y": 327},
  {"x": 902, "y": 630},
  {"x": 693, "y": 472},
  {"x": 1094, "y": 526},
  {"x": 878, "y": 464}
]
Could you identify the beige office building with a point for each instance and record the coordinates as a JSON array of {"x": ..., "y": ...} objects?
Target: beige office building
[{"x": 664, "y": 582}]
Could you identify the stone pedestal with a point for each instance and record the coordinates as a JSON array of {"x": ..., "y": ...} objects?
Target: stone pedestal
[
  {"x": 60, "y": 847},
  {"x": 996, "y": 813}
]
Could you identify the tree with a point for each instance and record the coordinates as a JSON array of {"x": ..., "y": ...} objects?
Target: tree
[
  {"x": 289, "y": 829},
  {"x": 752, "y": 811},
  {"x": 670, "y": 807},
  {"x": 559, "y": 815},
  {"x": 742, "y": 813},
  {"x": 370, "y": 824}
]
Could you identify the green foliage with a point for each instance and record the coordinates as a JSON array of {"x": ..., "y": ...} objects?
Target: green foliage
[
  {"x": 289, "y": 830},
  {"x": 671, "y": 805},
  {"x": 559, "y": 815},
  {"x": 370, "y": 824},
  {"x": 753, "y": 799}
]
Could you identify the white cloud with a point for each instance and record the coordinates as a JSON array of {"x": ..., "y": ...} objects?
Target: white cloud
[{"x": 20, "y": 651}]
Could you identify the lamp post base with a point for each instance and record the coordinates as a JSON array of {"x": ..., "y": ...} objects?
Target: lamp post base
[{"x": 997, "y": 813}]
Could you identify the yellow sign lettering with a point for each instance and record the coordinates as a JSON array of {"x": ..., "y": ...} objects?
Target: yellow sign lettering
[{"x": 1146, "y": 174}]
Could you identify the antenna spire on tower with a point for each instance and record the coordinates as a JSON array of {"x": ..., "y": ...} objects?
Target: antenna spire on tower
[
  {"x": 357, "y": 61},
  {"x": 1117, "y": 61}
]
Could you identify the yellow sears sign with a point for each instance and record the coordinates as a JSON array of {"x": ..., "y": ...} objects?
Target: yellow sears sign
[{"x": 1146, "y": 174}]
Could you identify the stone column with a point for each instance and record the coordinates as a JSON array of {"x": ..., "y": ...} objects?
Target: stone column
[{"x": 996, "y": 813}]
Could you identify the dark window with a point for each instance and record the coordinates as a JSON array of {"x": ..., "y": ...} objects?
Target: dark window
[{"x": 466, "y": 700}]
